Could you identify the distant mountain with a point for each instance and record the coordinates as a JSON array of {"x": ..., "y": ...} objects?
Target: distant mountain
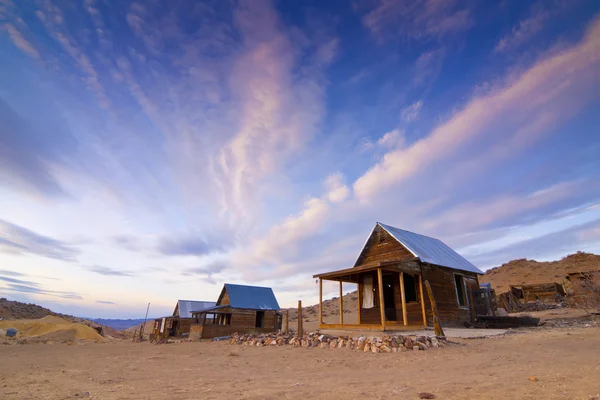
[{"x": 119, "y": 324}]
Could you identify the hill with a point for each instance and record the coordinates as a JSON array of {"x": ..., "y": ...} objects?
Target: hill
[
  {"x": 15, "y": 310},
  {"x": 517, "y": 272}
]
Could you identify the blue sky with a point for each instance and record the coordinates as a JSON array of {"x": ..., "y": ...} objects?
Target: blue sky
[{"x": 153, "y": 151}]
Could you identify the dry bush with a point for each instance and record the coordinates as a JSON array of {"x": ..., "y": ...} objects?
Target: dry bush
[{"x": 586, "y": 291}]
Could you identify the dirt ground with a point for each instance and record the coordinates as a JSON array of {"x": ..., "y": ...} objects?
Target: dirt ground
[{"x": 564, "y": 360}]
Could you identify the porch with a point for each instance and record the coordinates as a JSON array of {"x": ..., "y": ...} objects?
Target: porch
[{"x": 390, "y": 296}]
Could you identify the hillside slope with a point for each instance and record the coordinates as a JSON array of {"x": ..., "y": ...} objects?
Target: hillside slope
[
  {"x": 523, "y": 271},
  {"x": 15, "y": 310}
]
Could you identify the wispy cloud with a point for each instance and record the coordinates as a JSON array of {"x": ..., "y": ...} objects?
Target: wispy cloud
[
  {"x": 36, "y": 290},
  {"x": 420, "y": 19},
  {"x": 526, "y": 29},
  {"x": 15, "y": 239},
  {"x": 526, "y": 101},
  {"x": 412, "y": 112},
  {"x": 19, "y": 40},
  {"x": 18, "y": 281},
  {"x": 206, "y": 271},
  {"x": 105, "y": 302},
  {"x": 108, "y": 271},
  {"x": 191, "y": 245}
]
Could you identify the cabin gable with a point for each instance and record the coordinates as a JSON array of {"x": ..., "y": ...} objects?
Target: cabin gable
[{"x": 382, "y": 247}]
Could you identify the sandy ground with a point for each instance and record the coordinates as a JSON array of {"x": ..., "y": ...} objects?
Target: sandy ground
[{"x": 564, "y": 360}]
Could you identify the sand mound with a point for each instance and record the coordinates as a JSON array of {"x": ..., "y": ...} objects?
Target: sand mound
[{"x": 52, "y": 328}]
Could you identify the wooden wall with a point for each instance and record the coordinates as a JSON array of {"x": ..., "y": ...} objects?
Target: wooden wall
[
  {"x": 242, "y": 321},
  {"x": 442, "y": 284},
  {"x": 414, "y": 313},
  {"x": 375, "y": 252}
]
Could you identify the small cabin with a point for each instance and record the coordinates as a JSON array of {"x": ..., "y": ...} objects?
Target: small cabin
[
  {"x": 178, "y": 324},
  {"x": 390, "y": 272},
  {"x": 239, "y": 309}
]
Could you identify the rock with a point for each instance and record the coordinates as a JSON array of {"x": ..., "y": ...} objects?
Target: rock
[
  {"x": 385, "y": 349},
  {"x": 375, "y": 349},
  {"x": 416, "y": 348},
  {"x": 426, "y": 395},
  {"x": 408, "y": 343},
  {"x": 533, "y": 378},
  {"x": 367, "y": 347},
  {"x": 434, "y": 341}
]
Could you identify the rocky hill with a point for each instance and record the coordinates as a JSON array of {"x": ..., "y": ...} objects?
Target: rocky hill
[
  {"x": 15, "y": 310},
  {"x": 523, "y": 271}
]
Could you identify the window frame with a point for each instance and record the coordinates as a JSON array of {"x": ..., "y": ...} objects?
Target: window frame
[{"x": 464, "y": 291}]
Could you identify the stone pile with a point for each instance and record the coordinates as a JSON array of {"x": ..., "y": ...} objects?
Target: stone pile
[{"x": 384, "y": 344}]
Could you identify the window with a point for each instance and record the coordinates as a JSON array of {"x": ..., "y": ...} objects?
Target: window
[
  {"x": 381, "y": 238},
  {"x": 260, "y": 318},
  {"x": 459, "y": 282},
  {"x": 410, "y": 288},
  {"x": 222, "y": 319}
]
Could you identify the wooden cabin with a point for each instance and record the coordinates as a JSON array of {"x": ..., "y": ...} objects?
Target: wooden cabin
[
  {"x": 549, "y": 292},
  {"x": 390, "y": 273},
  {"x": 178, "y": 324},
  {"x": 239, "y": 309}
]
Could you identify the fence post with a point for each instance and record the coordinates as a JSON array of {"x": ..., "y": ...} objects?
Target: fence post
[{"x": 300, "y": 332}]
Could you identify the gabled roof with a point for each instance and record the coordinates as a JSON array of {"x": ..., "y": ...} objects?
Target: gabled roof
[
  {"x": 430, "y": 250},
  {"x": 184, "y": 308},
  {"x": 249, "y": 297}
]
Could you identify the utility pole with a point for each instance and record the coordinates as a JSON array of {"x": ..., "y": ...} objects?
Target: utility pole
[{"x": 143, "y": 326}]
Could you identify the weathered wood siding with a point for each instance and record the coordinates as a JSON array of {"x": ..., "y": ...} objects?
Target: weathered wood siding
[
  {"x": 442, "y": 284},
  {"x": 382, "y": 247},
  {"x": 413, "y": 309},
  {"x": 242, "y": 321}
]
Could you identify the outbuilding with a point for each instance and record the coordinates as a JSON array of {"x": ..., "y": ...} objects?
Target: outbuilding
[{"x": 241, "y": 309}]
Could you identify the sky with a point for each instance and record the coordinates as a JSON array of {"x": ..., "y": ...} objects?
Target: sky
[{"x": 152, "y": 151}]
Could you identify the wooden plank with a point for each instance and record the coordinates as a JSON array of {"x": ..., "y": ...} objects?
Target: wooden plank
[
  {"x": 422, "y": 300},
  {"x": 359, "y": 299},
  {"x": 436, "y": 321},
  {"x": 300, "y": 332},
  {"x": 381, "y": 303},
  {"x": 286, "y": 321},
  {"x": 403, "y": 299},
  {"x": 382, "y": 247},
  {"x": 341, "y": 305},
  {"x": 471, "y": 304},
  {"x": 369, "y": 327},
  {"x": 320, "y": 300}
]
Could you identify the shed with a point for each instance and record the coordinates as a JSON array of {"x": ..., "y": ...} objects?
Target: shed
[
  {"x": 241, "y": 309},
  {"x": 178, "y": 324},
  {"x": 390, "y": 271}
]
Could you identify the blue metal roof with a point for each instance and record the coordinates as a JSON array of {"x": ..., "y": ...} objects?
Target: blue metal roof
[
  {"x": 251, "y": 297},
  {"x": 431, "y": 250}
]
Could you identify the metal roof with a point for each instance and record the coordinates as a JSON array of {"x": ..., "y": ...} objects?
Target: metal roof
[
  {"x": 430, "y": 250},
  {"x": 251, "y": 297},
  {"x": 186, "y": 307}
]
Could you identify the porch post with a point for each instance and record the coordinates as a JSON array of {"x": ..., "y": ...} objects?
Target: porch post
[
  {"x": 381, "y": 304},
  {"x": 320, "y": 301},
  {"x": 403, "y": 298},
  {"x": 359, "y": 298},
  {"x": 422, "y": 300},
  {"x": 341, "y": 305}
]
